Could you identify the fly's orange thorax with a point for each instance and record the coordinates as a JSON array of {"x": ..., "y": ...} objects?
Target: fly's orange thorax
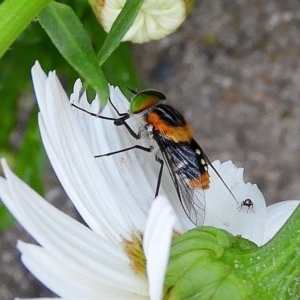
[{"x": 181, "y": 133}]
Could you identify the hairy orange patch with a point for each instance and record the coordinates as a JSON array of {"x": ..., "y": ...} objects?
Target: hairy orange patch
[
  {"x": 175, "y": 133},
  {"x": 201, "y": 182}
]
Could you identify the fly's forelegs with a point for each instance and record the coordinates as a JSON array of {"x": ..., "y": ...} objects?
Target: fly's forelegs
[{"x": 117, "y": 121}]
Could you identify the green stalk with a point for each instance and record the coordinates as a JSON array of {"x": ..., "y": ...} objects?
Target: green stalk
[
  {"x": 15, "y": 15},
  {"x": 119, "y": 28}
]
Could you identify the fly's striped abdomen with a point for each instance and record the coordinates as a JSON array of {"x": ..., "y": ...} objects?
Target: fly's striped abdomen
[
  {"x": 187, "y": 160},
  {"x": 203, "y": 180},
  {"x": 189, "y": 174}
]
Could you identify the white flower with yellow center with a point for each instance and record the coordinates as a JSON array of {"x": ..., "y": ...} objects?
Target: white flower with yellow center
[{"x": 123, "y": 251}]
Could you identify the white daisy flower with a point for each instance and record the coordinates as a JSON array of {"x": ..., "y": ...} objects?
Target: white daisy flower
[
  {"x": 114, "y": 195},
  {"x": 155, "y": 20}
]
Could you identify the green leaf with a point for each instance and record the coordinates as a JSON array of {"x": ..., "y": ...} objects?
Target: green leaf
[
  {"x": 120, "y": 70},
  {"x": 15, "y": 15},
  {"x": 118, "y": 30},
  {"x": 68, "y": 35},
  {"x": 6, "y": 219},
  {"x": 31, "y": 159}
]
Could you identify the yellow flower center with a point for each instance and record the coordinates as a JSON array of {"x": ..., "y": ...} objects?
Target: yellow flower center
[{"x": 134, "y": 250}]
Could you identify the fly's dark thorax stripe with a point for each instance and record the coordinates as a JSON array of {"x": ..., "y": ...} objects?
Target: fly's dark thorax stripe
[
  {"x": 169, "y": 115},
  {"x": 169, "y": 123}
]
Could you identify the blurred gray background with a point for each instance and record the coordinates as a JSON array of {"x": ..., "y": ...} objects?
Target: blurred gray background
[{"x": 233, "y": 70}]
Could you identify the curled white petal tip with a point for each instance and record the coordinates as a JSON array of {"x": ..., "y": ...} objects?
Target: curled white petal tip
[
  {"x": 157, "y": 243},
  {"x": 277, "y": 215},
  {"x": 155, "y": 20}
]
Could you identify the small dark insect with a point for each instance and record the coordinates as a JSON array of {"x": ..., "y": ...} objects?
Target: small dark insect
[{"x": 248, "y": 203}]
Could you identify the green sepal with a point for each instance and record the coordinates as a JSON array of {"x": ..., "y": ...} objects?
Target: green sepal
[
  {"x": 209, "y": 263},
  {"x": 196, "y": 270}
]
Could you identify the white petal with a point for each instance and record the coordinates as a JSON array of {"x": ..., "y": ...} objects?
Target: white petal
[
  {"x": 68, "y": 282},
  {"x": 157, "y": 242},
  {"x": 277, "y": 215},
  {"x": 66, "y": 239},
  {"x": 89, "y": 189},
  {"x": 43, "y": 299},
  {"x": 222, "y": 210},
  {"x": 128, "y": 171}
]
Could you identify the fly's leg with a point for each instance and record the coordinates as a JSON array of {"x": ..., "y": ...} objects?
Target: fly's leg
[
  {"x": 122, "y": 121},
  {"x": 116, "y": 110},
  {"x": 117, "y": 121},
  {"x": 93, "y": 114},
  {"x": 126, "y": 149},
  {"x": 159, "y": 160}
]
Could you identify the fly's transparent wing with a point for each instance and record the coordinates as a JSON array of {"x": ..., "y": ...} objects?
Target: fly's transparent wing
[{"x": 183, "y": 165}]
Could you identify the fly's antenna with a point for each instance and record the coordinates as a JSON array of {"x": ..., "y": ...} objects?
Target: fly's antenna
[
  {"x": 135, "y": 92},
  {"x": 116, "y": 110}
]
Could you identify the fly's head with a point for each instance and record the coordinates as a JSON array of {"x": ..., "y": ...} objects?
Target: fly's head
[{"x": 145, "y": 100}]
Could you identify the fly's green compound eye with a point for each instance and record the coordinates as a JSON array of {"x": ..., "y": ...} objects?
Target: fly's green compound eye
[{"x": 144, "y": 100}]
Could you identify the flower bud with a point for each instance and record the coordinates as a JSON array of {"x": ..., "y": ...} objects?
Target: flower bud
[{"x": 155, "y": 20}]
